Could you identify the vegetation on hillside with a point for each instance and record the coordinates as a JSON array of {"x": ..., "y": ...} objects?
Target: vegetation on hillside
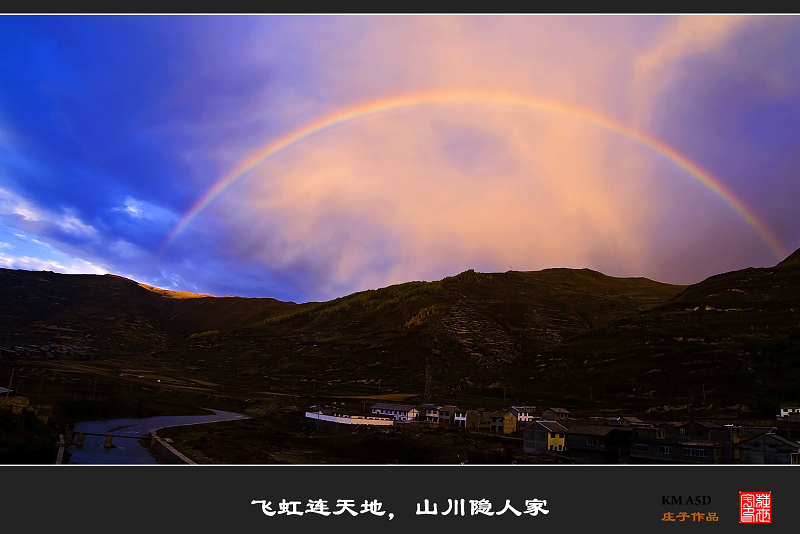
[{"x": 570, "y": 334}]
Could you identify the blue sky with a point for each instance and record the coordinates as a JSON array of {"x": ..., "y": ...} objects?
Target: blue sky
[{"x": 113, "y": 128}]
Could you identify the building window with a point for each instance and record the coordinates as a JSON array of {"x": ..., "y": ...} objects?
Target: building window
[
  {"x": 560, "y": 447},
  {"x": 641, "y": 447},
  {"x": 561, "y": 435},
  {"x": 660, "y": 433},
  {"x": 552, "y": 435},
  {"x": 664, "y": 449},
  {"x": 591, "y": 440},
  {"x": 682, "y": 431},
  {"x": 695, "y": 452}
]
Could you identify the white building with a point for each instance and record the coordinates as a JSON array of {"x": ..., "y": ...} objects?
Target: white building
[
  {"x": 788, "y": 409},
  {"x": 346, "y": 419},
  {"x": 524, "y": 414},
  {"x": 400, "y": 412}
]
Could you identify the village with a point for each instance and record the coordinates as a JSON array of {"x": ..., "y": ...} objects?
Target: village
[
  {"x": 559, "y": 435},
  {"x": 527, "y": 433},
  {"x": 579, "y": 438}
]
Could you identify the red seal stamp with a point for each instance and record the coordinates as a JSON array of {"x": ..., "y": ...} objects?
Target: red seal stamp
[{"x": 755, "y": 507}]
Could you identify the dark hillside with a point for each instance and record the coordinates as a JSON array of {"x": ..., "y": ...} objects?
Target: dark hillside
[
  {"x": 50, "y": 315},
  {"x": 452, "y": 333},
  {"x": 732, "y": 338}
]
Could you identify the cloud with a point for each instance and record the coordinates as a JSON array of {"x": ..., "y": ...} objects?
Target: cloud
[
  {"x": 681, "y": 38},
  {"x": 127, "y": 251},
  {"x": 132, "y": 207},
  {"x": 120, "y": 124},
  {"x": 140, "y": 209},
  {"x": 22, "y": 251},
  {"x": 697, "y": 52},
  {"x": 725, "y": 92},
  {"x": 425, "y": 191},
  {"x": 12, "y": 204},
  {"x": 75, "y": 266},
  {"x": 71, "y": 224},
  {"x": 395, "y": 197},
  {"x": 17, "y": 211}
]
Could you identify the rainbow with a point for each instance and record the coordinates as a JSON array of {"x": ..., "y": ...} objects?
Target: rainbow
[{"x": 394, "y": 102}]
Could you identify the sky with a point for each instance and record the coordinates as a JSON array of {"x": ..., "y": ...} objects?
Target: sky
[{"x": 308, "y": 157}]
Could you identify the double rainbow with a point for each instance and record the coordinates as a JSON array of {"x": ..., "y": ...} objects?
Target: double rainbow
[{"x": 395, "y": 102}]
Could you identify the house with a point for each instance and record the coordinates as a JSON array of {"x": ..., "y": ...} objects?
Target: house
[
  {"x": 598, "y": 444},
  {"x": 460, "y": 418},
  {"x": 446, "y": 414},
  {"x": 685, "y": 452},
  {"x": 524, "y": 414},
  {"x": 790, "y": 409},
  {"x": 471, "y": 419},
  {"x": 673, "y": 443},
  {"x": 428, "y": 413},
  {"x": 543, "y": 437},
  {"x": 502, "y": 421},
  {"x": 632, "y": 421},
  {"x": 399, "y": 412},
  {"x": 726, "y": 435},
  {"x": 769, "y": 448},
  {"x": 484, "y": 419},
  {"x": 555, "y": 414}
]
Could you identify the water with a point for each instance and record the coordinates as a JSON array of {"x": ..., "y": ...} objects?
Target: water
[{"x": 128, "y": 450}]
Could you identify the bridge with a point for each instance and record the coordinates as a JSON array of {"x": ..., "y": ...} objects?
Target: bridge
[
  {"x": 160, "y": 446},
  {"x": 69, "y": 436}
]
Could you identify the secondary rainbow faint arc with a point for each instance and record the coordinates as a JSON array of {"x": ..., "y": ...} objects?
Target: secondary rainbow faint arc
[{"x": 394, "y": 102}]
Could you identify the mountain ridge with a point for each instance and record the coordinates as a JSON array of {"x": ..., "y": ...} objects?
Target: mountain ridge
[{"x": 556, "y": 332}]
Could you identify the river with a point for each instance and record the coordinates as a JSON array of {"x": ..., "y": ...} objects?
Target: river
[{"x": 128, "y": 450}]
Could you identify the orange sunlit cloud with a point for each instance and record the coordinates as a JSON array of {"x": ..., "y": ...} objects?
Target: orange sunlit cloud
[
  {"x": 417, "y": 189},
  {"x": 430, "y": 189}
]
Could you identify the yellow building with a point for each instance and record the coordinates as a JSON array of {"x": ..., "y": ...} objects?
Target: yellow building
[
  {"x": 502, "y": 421},
  {"x": 544, "y": 436}
]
